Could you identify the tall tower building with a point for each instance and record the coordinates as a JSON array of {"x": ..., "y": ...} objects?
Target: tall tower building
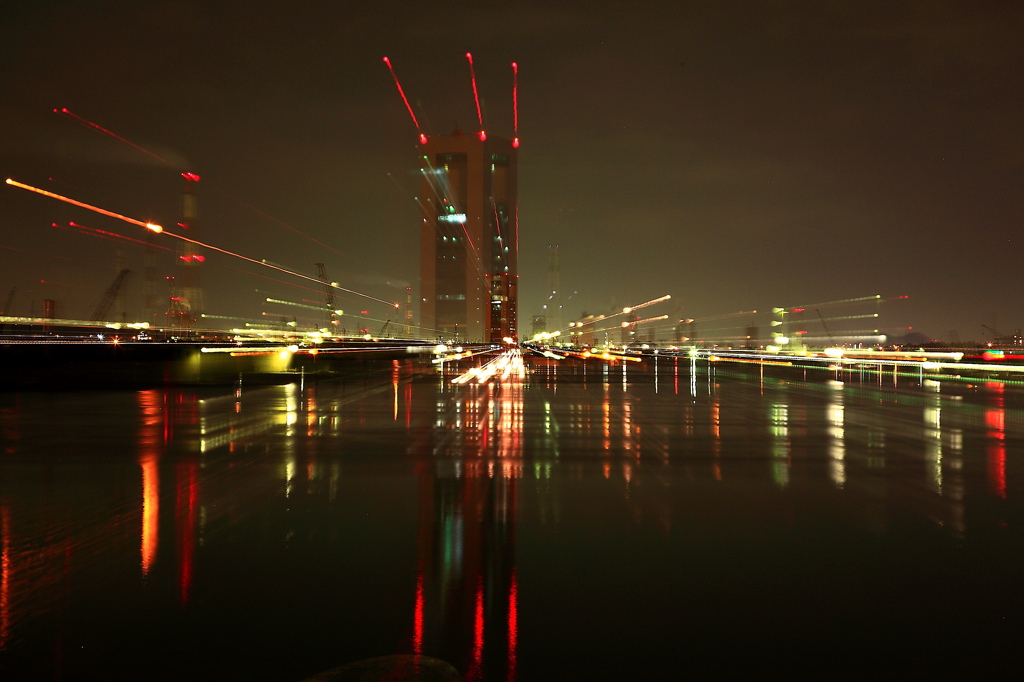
[
  {"x": 186, "y": 304},
  {"x": 469, "y": 237}
]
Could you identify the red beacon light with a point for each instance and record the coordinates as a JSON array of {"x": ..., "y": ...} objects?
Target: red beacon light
[
  {"x": 483, "y": 136},
  {"x": 190, "y": 176},
  {"x": 515, "y": 143},
  {"x": 423, "y": 138}
]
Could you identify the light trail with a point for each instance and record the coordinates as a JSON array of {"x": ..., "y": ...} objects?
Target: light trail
[
  {"x": 278, "y": 267},
  {"x": 158, "y": 229},
  {"x": 290, "y": 227},
  {"x": 149, "y": 226},
  {"x": 47, "y": 255},
  {"x": 194, "y": 177},
  {"x": 651, "y": 319},
  {"x": 507, "y": 363},
  {"x": 849, "y": 317},
  {"x": 515, "y": 105},
  {"x": 845, "y": 300},
  {"x": 497, "y": 219},
  {"x": 576, "y": 326},
  {"x": 96, "y": 232},
  {"x": 207, "y": 316},
  {"x": 279, "y": 281},
  {"x": 648, "y": 303},
  {"x": 476, "y": 97},
  {"x": 318, "y": 308},
  {"x": 114, "y": 135},
  {"x": 443, "y": 194},
  {"x": 423, "y": 138},
  {"x": 724, "y": 316}
]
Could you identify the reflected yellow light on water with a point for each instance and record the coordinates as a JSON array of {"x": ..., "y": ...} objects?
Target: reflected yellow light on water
[{"x": 150, "y": 510}]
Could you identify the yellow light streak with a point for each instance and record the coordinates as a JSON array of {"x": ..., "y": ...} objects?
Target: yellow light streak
[
  {"x": 68, "y": 200},
  {"x": 160, "y": 230}
]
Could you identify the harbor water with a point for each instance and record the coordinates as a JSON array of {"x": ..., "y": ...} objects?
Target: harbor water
[{"x": 589, "y": 520}]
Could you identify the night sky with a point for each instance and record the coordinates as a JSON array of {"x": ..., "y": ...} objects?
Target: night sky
[{"x": 736, "y": 155}]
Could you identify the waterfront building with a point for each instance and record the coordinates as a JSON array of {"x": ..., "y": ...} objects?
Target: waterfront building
[{"x": 468, "y": 237}]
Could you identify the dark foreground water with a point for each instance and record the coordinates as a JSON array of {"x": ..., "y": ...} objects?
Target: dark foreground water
[{"x": 589, "y": 522}]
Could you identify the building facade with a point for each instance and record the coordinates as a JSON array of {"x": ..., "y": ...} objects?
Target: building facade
[{"x": 469, "y": 238}]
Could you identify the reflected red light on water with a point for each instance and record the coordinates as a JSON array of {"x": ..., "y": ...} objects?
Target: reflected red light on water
[
  {"x": 995, "y": 420},
  {"x": 187, "y": 502},
  {"x": 5, "y": 576},
  {"x": 478, "y": 632},
  {"x": 417, "y": 626},
  {"x": 513, "y": 625}
]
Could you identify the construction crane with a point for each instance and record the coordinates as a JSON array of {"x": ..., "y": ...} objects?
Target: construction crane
[
  {"x": 995, "y": 333},
  {"x": 1004, "y": 339},
  {"x": 109, "y": 296},
  {"x": 831, "y": 340},
  {"x": 332, "y": 321}
]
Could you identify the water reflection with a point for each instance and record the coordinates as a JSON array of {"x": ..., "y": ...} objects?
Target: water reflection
[
  {"x": 995, "y": 420},
  {"x": 440, "y": 518},
  {"x": 466, "y": 602},
  {"x": 836, "y": 420}
]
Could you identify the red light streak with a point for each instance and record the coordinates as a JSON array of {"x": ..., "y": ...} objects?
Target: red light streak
[
  {"x": 157, "y": 228},
  {"x": 516, "y": 209},
  {"x": 293, "y": 229},
  {"x": 96, "y": 232},
  {"x": 114, "y": 135},
  {"x": 406, "y": 100},
  {"x": 274, "y": 267},
  {"x": 515, "y": 104},
  {"x": 59, "y": 197},
  {"x": 476, "y": 97},
  {"x": 497, "y": 219},
  {"x": 193, "y": 177}
]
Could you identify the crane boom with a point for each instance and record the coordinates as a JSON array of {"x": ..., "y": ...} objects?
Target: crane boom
[
  {"x": 109, "y": 296},
  {"x": 332, "y": 317},
  {"x": 830, "y": 339},
  {"x": 7, "y": 304}
]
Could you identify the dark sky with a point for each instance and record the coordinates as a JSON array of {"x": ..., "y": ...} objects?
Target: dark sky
[{"x": 736, "y": 155}]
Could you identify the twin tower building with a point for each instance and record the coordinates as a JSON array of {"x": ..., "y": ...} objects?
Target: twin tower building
[{"x": 469, "y": 238}]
